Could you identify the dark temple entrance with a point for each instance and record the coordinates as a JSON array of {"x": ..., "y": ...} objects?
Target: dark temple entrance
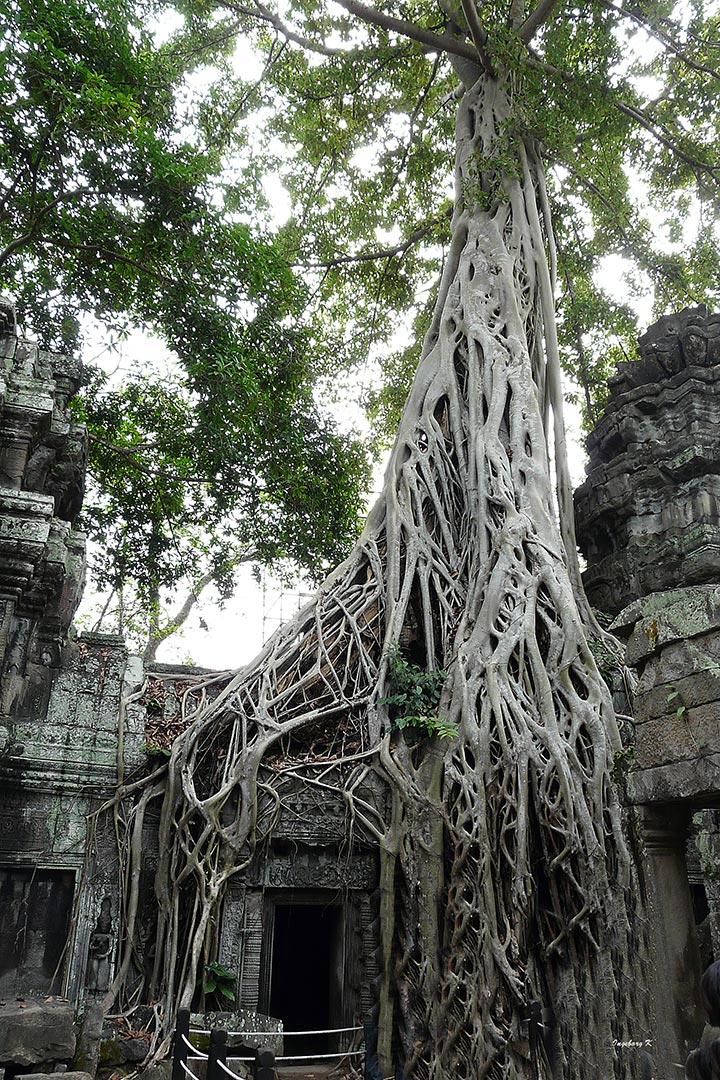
[
  {"x": 35, "y": 908},
  {"x": 306, "y": 971}
]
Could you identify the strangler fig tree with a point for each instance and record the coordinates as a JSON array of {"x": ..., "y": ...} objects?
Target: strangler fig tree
[{"x": 507, "y": 880}]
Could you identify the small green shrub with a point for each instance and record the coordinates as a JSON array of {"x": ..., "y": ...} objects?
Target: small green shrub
[
  {"x": 673, "y": 696},
  {"x": 414, "y": 698},
  {"x": 219, "y": 980},
  {"x": 153, "y": 750}
]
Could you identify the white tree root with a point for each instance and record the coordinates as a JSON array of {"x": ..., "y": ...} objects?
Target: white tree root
[{"x": 505, "y": 876}]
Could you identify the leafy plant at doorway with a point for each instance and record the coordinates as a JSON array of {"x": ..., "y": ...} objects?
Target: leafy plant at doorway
[
  {"x": 219, "y": 980},
  {"x": 154, "y": 751},
  {"x": 414, "y": 698}
]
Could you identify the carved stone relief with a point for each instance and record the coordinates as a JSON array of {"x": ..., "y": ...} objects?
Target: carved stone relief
[
  {"x": 648, "y": 515},
  {"x": 100, "y": 950}
]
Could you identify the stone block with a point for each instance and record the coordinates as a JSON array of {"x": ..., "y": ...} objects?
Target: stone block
[
  {"x": 671, "y": 738},
  {"x": 70, "y": 1075},
  {"x": 680, "y": 659},
  {"x": 30, "y": 397},
  {"x": 119, "y": 1051},
  {"x": 696, "y": 778},
  {"x": 64, "y": 365},
  {"x": 134, "y": 1050},
  {"x": 695, "y": 689},
  {"x": 36, "y": 1032},
  {"x": 663, "y": 618},
  {"x": 674, "y": 641},
  {"x": 23, "y": 828},
  {"x": 161, "y": 1071},
  {"x": 241, "y": 1021}
]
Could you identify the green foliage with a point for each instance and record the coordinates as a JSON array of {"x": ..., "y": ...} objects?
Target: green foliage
[
  {"x": 152, "y": 750},
  {"x": 624, "y": 101},
  {"x": 609, "y": 663},
  {"x": 675, "y": 697},
  {"x": 107, "y": 204},
  {"x": 114, "y": 200},
  {"x": 623, "y": 761},
  {"x": 190, "y": 479},
  {"x": 127, "y": 192},
  {"x": 414, "y": 698},
  {"x": 219, "y": 980}
]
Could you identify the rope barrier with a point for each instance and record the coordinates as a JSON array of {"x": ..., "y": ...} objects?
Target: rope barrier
[
  {"x": 189, "y": 1071},
  {"x": 289, "y": 1057},
  {"x": 225, "y": 1069},
  {"x": 196, "y": 1053},
  {"x": 323, "y": 1031},
  {"x": 256, "y": 1034},
  {"x": 318, "y": 1057}
]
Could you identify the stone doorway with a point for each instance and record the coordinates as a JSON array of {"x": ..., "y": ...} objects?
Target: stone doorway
[
  {"x": 35, "y": 910},
  {"x": 305, "y": 968}
]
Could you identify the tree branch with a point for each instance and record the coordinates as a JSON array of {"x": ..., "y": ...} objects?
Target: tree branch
[
  {"x": 260, "y": 11},
  {"x": 644, "y": 254},
  {"x": 22, "y": 241},
  {"x": 411, "y": 30},
  {"x": 230, "y": 122},
  {"x": 661, "y": 37},
  {"x": 118, "y": 256},
  {"x": 659, "y": 132},
  {"x": 8, "y": 191},
  {"x": 536, "y": 19},
  {"x": 516, "y": 14},
  {"x": 535, "y": 60},
  {"x": 129, "y": 454},
  {"x": 157, "y": 634},
  {"x": 413, "y": 120},
  {"x": 380, "y": 253},
  {"x": 478, "y": 34}
]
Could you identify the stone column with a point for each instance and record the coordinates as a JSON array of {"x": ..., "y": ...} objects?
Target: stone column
[{"x": 677, "y": 967}]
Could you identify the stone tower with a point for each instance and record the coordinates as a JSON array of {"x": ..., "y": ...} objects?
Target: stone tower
[
  {"x": 648, "y": 523},
  {"x": 60, "y": 697}
]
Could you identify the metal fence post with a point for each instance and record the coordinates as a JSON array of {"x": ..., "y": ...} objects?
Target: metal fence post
[
  {"x": 216, "y": 1054},
  {"x": 180, "y": 1048},
  {"x": 264, "y": 1064}
]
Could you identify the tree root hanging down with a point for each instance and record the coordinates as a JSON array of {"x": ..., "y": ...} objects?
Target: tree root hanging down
[{"x": 505, "y": 875}]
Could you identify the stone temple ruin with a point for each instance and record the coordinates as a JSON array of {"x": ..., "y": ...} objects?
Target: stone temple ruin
[
  {"x": 648, "y": 523},
  {"x": 299, "y": 927}
]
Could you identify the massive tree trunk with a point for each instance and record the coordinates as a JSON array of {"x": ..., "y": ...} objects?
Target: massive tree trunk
[{"x": 506, "y": 878}]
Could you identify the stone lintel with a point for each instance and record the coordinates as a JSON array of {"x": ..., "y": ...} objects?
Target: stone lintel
[
  {"x": 28, "y": 402},
  {"x": 694, "y": 780},
  {"x": 24, "y": 505},
  {"x": 103, "y": 640}
]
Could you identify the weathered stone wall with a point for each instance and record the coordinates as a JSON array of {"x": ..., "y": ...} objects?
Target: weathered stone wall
[
  {"x": 674, "y": 644},
  {"x": 62, "y": 767},
  {"x": 648, "y": 515},
  {"x": 648, "y": 522},
  {"x": 60, "y": 699}
]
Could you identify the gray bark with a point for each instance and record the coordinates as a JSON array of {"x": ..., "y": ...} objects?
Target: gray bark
[{"x": 506, "y": 877}]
